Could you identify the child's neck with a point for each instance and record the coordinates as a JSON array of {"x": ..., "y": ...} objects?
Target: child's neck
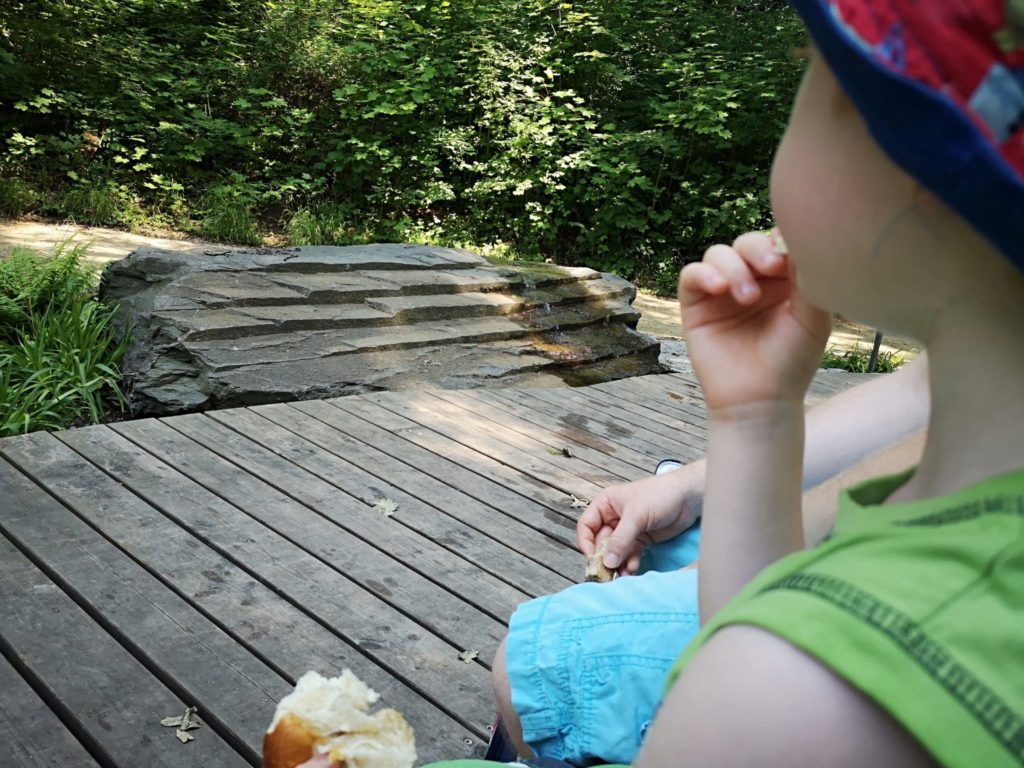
[{"x": 976, "y": 429}]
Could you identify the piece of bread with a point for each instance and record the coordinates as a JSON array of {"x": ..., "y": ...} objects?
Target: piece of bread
[
  {"x": 595, "y": 569},
  {"x": 329, "y": 716}
]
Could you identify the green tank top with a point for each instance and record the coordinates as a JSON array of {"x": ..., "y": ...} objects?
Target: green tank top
[{"x": 919, "y": 605}]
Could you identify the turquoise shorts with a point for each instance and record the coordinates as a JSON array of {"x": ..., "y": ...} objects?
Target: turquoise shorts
[{"x": 587, "y": 665}]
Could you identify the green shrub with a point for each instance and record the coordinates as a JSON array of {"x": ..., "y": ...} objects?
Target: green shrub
[
  {"x": 321, "y": 225},
  {"x": 626, "y": 136},
  {"x": 16, "y": 197},
  {"x": 228, "y": 215},
  {"x": 60, "y": 351},
  {"x": 856, "y": 360},
  {"x": 100, "y": 204}
]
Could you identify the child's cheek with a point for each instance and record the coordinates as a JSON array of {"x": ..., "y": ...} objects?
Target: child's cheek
[{"x": 788, "y": 188}]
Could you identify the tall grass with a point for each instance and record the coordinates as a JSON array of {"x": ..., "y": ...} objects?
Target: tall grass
[
  {"x": 16, "y": 197},
  {"x": 228, "y": 216},
  {"x": 856, "y": 360},
  {"x": 60, "y": 351}
]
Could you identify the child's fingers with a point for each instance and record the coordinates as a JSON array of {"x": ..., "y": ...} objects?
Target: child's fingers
[
  {"x": 731, "y": 265},
  {"x": 698, "y": 280},
  {"x": 760, "y": 253}
]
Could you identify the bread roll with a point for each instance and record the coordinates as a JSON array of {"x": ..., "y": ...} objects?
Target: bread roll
[{"x": 329, "y": 716}]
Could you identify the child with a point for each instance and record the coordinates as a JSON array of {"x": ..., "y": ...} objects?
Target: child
[{"x": 900, "y": 189}]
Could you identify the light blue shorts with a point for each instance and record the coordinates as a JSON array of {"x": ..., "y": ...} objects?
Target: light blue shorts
[{"x": 587, "y": 665}]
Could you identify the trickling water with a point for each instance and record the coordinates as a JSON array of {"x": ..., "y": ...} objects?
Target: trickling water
[{"x": 547, "y": 308}]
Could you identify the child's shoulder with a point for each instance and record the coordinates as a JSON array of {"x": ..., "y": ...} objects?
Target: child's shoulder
[{"x": 909, "y": 603}]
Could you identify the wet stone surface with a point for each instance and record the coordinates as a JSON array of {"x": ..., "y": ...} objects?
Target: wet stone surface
[{"x": 217, "y": 327}]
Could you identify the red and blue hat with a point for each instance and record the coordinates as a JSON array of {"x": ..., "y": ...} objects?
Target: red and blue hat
[{"x": 940, "y": 84}]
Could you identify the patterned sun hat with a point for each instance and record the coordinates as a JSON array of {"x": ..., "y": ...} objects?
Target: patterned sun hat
[{"x": 940, "y": 84}]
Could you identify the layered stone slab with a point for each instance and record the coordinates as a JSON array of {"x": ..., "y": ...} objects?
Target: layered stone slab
[{"x": 222, "y": 328}]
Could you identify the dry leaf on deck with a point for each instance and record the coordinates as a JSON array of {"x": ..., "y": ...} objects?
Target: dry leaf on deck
[
  {"x": 576, "y": 502},
  {"x": 386, "y": 507},
  {"x": 184, "y": 736},
  {"x": 189, "y": 721},
  {"x": 468, "y": 656},
  {"x": 183, "y": 724}
]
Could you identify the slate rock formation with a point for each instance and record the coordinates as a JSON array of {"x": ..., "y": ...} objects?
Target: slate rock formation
[{"x": 223, "y": 328}]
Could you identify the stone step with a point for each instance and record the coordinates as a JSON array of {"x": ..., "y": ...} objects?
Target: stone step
[
  {"x": 378, "y": 256},
  {"x": 152, "y": 267},
  {"x": 248, "y": 320},
  {"x": 210, "y": 326},
  {"x": 457, "y": 366},
  {"x": 225, "y": 289},
  {"x": 221, "y": 354}
]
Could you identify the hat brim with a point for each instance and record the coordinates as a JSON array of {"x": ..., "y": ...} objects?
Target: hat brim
[{"x": 926, "y": 133}]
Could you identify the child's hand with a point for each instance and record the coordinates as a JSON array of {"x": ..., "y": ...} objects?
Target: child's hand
[
  {"x": 645, "y": 511},
  {"x": 750, "y": 334}
]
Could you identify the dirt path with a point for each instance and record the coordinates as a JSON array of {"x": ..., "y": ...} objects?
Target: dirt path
[
  {"x": 660, "y": 316},
  {"x": 105, "y": 245}
]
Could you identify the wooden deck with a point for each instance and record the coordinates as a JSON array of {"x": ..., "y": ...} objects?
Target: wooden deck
[{"x": 211, "y": 559}]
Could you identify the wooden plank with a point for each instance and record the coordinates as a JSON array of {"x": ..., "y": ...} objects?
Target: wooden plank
[
  {"x": 116, "y": 702},
  {"x": 406, "y": 544},
  {"x": 563, "y": 435},
  {"x": 188, "y": 652},
  {"x": 530, "y": 543},
  {"x": 287, "y": 636},
  {"x": 578, "y": 416},
  {"x": 446, "y": 419},
  {"x": 517, "y": 566},
  {"x": 394, "y": 641},
  {"x": 630, "y": 421},
  {"x": 477, "y": 401},
  {"x": 659, "y": 395},
  {"x": 439, "y": 609},
  {"x": 660, "y": 426},
  {"x": 514, "y": 505},
  {"x": 31, "y": 734},
  {"x": 557, "y": 501}
]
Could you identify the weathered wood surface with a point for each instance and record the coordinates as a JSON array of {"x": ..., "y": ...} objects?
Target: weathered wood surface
[{"x": 209, "y": 560}]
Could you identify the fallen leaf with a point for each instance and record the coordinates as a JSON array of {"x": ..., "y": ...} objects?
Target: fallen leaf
[
  {"x": 189, "y": 721},
  {"x": 184, "y": 736},
  {"x": 386, "y": 507},
  {"x": 183, "y": 723},
  {"x": 468, "y": 656},
  {"x": 576, "y": 502},
  {"x": 554, "y": 452}
]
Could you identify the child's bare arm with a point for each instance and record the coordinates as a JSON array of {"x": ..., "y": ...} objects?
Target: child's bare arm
[
  {"x": 755, "y": 345},
  {"x": 749, "y": 698}
]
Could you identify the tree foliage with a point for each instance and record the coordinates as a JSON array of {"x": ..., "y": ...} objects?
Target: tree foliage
[{"x": 624, "y": 135}]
